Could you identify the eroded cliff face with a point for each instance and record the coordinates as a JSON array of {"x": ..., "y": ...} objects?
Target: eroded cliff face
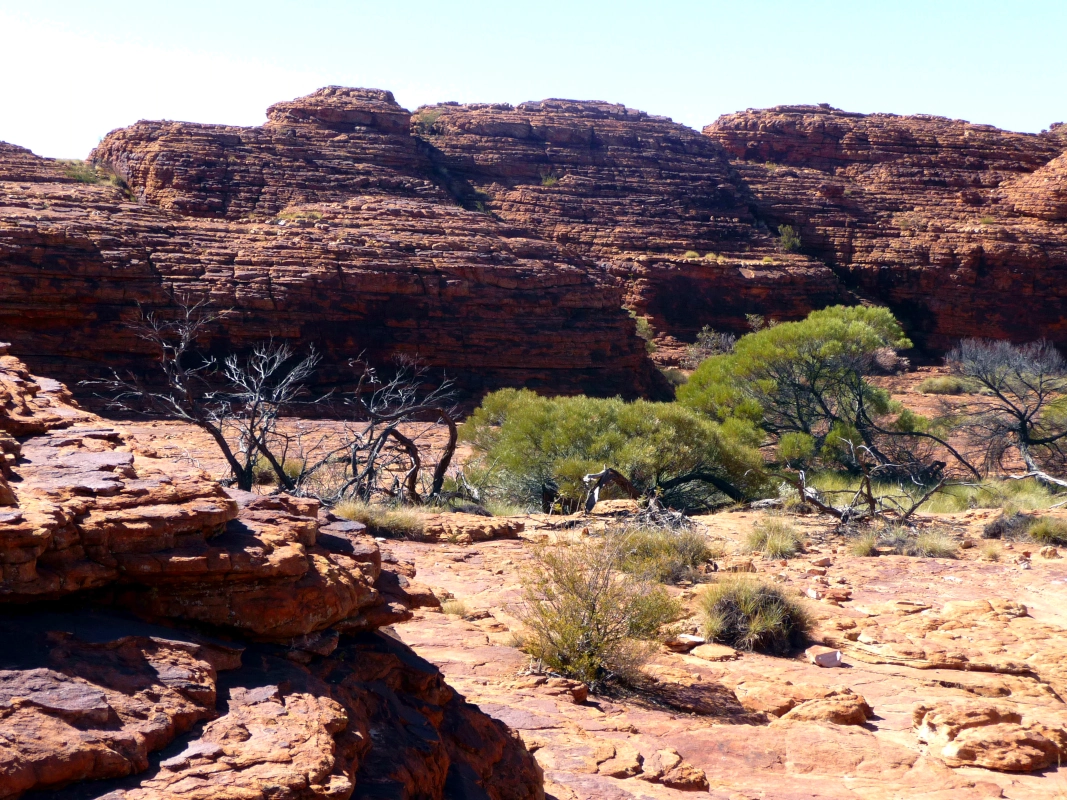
[
  {"x": 959, "y": 228},
  {"x": 175, "y": 603},
  {"x": 640, "y": 194},
  {"x": 321, "y": 228}
]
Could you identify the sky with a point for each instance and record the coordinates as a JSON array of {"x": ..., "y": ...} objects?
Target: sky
[{"x": 72, "y": 71}]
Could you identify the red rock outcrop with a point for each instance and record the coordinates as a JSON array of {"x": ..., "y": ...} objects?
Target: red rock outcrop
[
  {"x": 325, "y": 227},
  {"x": 959, "y": 228},
  {"x": 315, "y": 702},
  {"x": 635, "y": 191}
]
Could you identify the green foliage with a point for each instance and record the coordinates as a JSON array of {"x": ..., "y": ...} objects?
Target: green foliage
[
  {"x": 263, "y": 473},
  {"x": 300, "y": 215},
  {"x": 386, "y": 521},
  {"x": 691, "y": 255},
  {"x": 749, "y": 614},
  {"x": 548, "y": 180},
  {"x": 424, "y": 121},
  {"x": 666, "y": 555},
  {"x": 587, "y": 621},
  {"x": 528, "y": 447},
  {"x": 788, "y": 238},
  {"x": 796, "y": 449},
  {"x": 803, "y": 377},
  {"x": 773, "y": 537},
  {"x": 947, "y": 384},
  {"x": 81, "y": 171},
  {"x": 644, "y": 330},
  {"x": 675, "y": 377},
  {"x": 1049, "y": 530}
]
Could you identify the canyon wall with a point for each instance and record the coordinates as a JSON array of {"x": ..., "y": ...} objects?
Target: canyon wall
[{"x": 961, "y": 229}]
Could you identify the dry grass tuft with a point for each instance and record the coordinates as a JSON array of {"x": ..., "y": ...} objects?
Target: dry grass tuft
[
  {"x": 749, "y": 614},
  {"x": 775, "y": 538},
  {"x": 390, "y": 522}
]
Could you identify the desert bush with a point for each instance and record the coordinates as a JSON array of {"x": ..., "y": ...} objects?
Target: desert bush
[
  {"x": 933, "y": 544},
  {"x": 548, "y": 180},
  {"x": 709, "y": 343},
  {"x": 864, "y": 546},
  {"x": 455, "y": 608},
  {"x": 81, "y": 171},
  {"x": 991, "y": 551},
  {"x": 691, "y": 254},
  {"x": 788, "y": 238},
  {"x": 424, "y": 121},
  {"x": 808, "y": 377},
  {"x": 749, "y": 614},
  {"x": 666, "y": 555},
  {"x": 796, "y": 449},
  {"x": 587, "y": 619},
  {"x": 390, "y": 522},
  {"x": 675, "y": 377},
  {"x": 774, "y": 537},
  {"x": 1048, "y": 530},
  {"x": 947, "y": 384},
  {"x": 1007, "y": 526},
  {"x": 536, "y": 450},
  {"x": 264, "y": 474},
  {"x": 644, "y": 330}
]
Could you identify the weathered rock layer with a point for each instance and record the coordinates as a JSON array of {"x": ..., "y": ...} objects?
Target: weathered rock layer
[
  {"x": 313, "y": 701},
  {"x": 959, "y": 228}
]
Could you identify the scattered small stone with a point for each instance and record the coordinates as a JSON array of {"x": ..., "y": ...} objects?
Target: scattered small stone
[
  {"x": 821, "y": 562},
  {"x": 715, "y": 652},
  {"x": 823, "y": 656}
]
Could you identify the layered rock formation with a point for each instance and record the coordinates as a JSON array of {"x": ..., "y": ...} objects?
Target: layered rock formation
[
  {"x": 313, "y": 701},
  {"x": 656, "y": 202},
  {"x": 959, "y": 228},
  {"x": 325, "y": 228}
]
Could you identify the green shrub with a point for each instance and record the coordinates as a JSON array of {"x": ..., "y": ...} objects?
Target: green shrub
[
  {"x": 864, "y": 546},
  {"x": 534, "y": 449},
  {"x": 263, "y": 473},
  {"x": 587, "y": 621},
  {"x": 691, "y": 255},
  {"x": 675, "y": 377},
  {"x": 796, "y": 449},
  {"x": 788, "y": 238},
  {"x": 391, "y": 522},
  {"x": 424, "y": 121},
  {"x": 804, "y": 377},
  {"x": 644, "y": 330},
  {"x": 946, "y": 384},
  {"x": 664, "y": 555},
  {"x": 1048, "y": 530},
  {"x": 549, "y": 180},
  {"x": 749, "y": 614},
  {"x": 773, "y": 537},
  {"x": 81, "y": 171},
  {"x": 1008, "y": 526}
]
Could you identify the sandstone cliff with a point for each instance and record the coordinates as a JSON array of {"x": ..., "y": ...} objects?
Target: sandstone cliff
[
  {"x": 959, "y": 228},
  {"x": 256, "y": 613}
]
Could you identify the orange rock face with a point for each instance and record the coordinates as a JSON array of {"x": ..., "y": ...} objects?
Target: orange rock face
[
  {"x": 959, "y": 228},
  {"x": 145, "y": 554}
]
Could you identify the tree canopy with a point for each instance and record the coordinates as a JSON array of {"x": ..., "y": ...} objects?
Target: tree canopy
[{"x": 538, "y": 449}]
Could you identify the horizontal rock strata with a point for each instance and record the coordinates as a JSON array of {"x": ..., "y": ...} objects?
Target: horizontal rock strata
[
  {"x": 959, "y": 228},
  {"x": 313, "y": 702}
]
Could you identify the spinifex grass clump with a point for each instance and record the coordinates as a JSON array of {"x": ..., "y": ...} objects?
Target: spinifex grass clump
[
  {"x": 666, "y": 555},
  {"x": 933, "y": 544},
  {"x": 864, "y": 545},
  {"x": 750, "y": 614},
  {"x": 947, "y": 384},
  {"x": 1049, "y": 531},
  {"x": 585, "y": 618},
  {"x": 775, "y": 538},
  {"x": 386, "y": 521}
]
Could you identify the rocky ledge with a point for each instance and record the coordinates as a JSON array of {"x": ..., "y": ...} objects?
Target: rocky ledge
[
  {"x": 961, "y": 229},
  {"x": 177, "y": 640}
]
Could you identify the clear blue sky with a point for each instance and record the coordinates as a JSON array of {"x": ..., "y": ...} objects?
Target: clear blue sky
[{"x": 72, "y": 71}]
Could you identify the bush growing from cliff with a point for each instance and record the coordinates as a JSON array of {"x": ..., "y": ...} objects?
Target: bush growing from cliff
[
  {"x": 750, "y": 614},
  {"x": 586, "y": 618},
  {"x": 537, "y": 450},
  {"x": 788, "y": 238}
]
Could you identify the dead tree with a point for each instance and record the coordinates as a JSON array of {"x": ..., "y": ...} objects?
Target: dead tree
[
  {"x": 237, "y": 402},
  {"x": 1021, "y": 409},
  {"x": 375, "y": 456}
]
